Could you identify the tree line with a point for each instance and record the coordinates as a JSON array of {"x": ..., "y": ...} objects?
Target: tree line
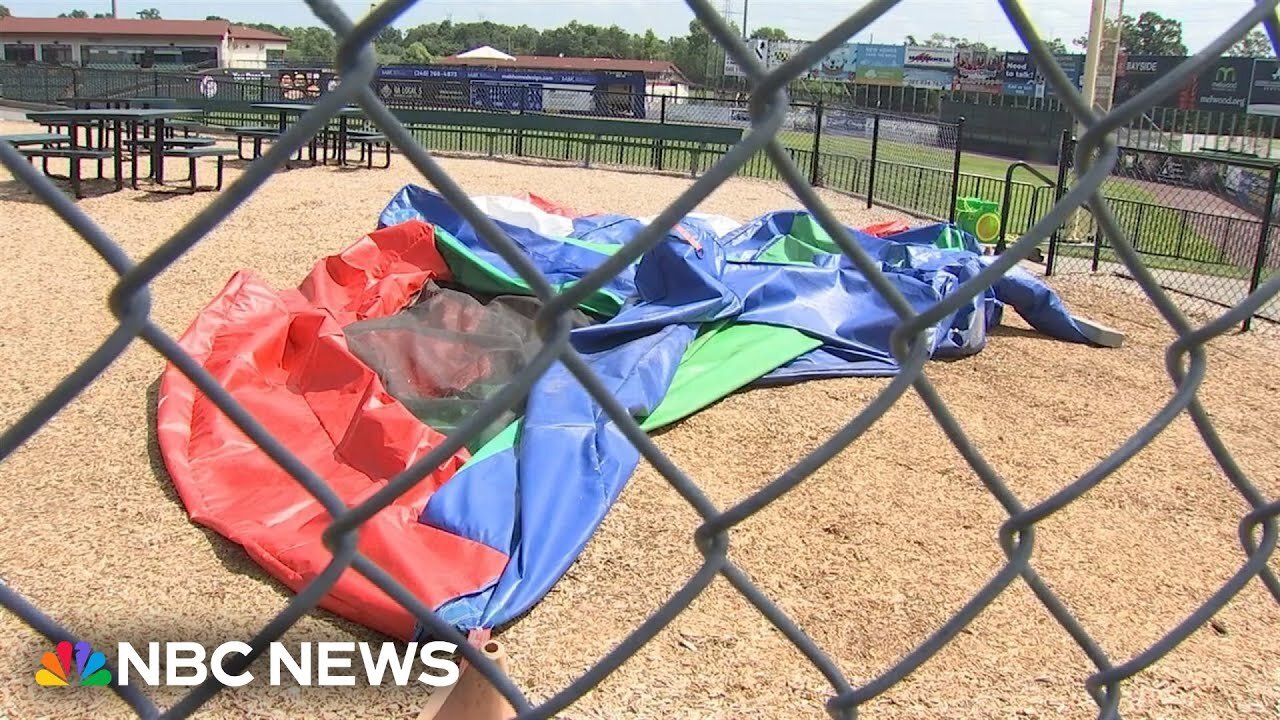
[
  {"x": 1154, "y": 34},
  {"x": 1147, "y": 34}
]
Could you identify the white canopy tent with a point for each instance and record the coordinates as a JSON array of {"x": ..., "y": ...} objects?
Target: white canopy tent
[{"x": 484, "y": 52}]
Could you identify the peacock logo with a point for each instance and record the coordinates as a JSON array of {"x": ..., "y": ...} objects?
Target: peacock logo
[{"x": 55, "y": 670}]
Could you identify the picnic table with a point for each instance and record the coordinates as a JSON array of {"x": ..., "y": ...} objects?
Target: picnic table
[
  {"x": 121, "y": 119},
  {"x": 24, "y": 139},
  {"x": 97, "y": 102},
  {"x": 286, "y": 110},
  {"x": 126, "y": 103}
]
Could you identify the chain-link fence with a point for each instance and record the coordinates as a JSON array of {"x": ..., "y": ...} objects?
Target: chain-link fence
[
  {"x": 1097, "y": 160},
  {"x": 1204, "y": 223}
]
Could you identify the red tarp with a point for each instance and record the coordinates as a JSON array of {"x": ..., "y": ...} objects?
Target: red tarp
[
  {"x": 282, "y": 356},
  {"x": 887, "y": 228}
]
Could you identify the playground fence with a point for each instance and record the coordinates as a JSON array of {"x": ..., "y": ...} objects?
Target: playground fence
[
  {"x": 131, "y": 302},
  {"x": 1203, "y": 222}
]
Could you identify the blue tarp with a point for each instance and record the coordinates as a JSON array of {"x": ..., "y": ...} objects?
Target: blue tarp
[{"x": 540, "y": 495}]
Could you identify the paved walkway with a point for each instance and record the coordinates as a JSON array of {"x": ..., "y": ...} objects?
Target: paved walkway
[{"x": 8, "y": 112}]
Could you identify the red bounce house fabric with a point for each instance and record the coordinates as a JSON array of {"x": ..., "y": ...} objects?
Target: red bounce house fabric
[{"x": 283, "y": 357}]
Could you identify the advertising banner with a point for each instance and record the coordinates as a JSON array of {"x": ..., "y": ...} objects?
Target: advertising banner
[
  {"x": 429, "y": 72},
  {"x": 840, "y": 65},
  {"x": 1264, "y": 92},
  {"x": 928, "y": 78},
  {"x": 847, "y": 123},
  {"x": 300, "y": 84},
  {"x": 1019, "y": 75},
  {"x": 918, "y": 56},
  {"x": 781, "y": 51},
  {"x": 979, "y": 71},
  {"x": 1224, "y": 85},
  {"x": 422, "y": 72},
  {"x": 759, "y": 47},
  {"x": 1136, "y": 73},
  {"x": 880, "y": 64},
  {"x": 1073, "y": 66}
]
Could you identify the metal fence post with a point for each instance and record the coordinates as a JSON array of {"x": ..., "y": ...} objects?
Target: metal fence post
[
  {"x": 1264, "y": 239},
  {"x": 875, "y": 146},
  {"x": 659, "y": 144},
  {"x": 955, "y": 170},
  {"x": 1064, "y": 155},
  {"x": 815, "y": 178},
  {"x": 1005, "y": 201},
  {"x": 519, "y": 129},
  {"x": 1099, "y": 237}
]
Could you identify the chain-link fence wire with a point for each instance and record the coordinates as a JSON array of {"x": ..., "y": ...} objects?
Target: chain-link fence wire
[
  {"x": 1198, "y": 221},
  {"x": 130, "y": 302}
]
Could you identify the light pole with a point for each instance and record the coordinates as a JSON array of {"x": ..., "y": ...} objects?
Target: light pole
[
  {"x": 1099, "y": 79},
  {"x": 1096, "y": 15},
  {"x": 1101, "y": 55}
]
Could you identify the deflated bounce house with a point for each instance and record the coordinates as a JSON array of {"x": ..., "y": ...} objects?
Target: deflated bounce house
[{"x": 387, "y": 346}]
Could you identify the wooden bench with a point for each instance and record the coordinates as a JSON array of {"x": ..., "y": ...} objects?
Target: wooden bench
[
  {"x": 75, "y": 155},
  {"x": 194, "y": 153}
]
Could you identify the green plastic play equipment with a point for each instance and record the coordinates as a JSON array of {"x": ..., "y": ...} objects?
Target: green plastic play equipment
[
  {"x": 980, "y": 218},
  {"x": 951, "y": 238}
]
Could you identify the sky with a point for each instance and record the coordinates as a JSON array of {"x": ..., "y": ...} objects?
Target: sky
[{"x": 977, "y": 20}]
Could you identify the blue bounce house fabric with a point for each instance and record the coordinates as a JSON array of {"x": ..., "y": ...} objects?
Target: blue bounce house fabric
[{"x": 539, "y": 491}]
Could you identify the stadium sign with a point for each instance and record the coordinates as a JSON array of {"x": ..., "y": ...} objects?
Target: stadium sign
[
  {"x": 1019, "y": 74},
  {"x": 919, "y": 56},
  {"x": 758, "y": 47},
  {"x": 1264, "y": 92},
  {"x": 1225, "y": 84}
]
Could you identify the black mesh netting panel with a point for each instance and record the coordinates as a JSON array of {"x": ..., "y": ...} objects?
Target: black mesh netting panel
[{"x": 444, "y": 354}]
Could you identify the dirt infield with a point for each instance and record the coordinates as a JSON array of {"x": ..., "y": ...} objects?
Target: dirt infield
[{"x": 869, "y": 556}]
